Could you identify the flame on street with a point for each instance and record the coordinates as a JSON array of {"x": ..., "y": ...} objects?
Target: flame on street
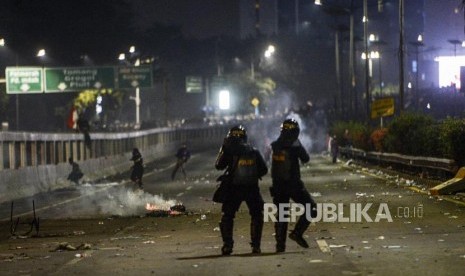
[{"x": 154, "y": 207}]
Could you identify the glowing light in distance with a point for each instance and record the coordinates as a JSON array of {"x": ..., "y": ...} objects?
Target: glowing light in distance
[{"x": 224, "y": 100}]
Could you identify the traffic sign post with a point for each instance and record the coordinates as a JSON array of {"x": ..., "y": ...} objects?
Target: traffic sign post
[
  {"x": 381, "y": 108},
  {"x": 24, "y": 80},
  {"x": 194, "y": 84},
  {"x": 134, "y": 76},
  {"x": 78, "y": 78}
]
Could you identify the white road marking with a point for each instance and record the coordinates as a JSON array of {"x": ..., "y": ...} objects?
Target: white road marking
[{"x": 323, "y": 246}]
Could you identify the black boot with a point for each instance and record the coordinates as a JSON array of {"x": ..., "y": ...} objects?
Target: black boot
[
  {"x": 256, "y": 227},
  {"x": 226, "y": 228},
  {"x": 299, "y": 239},
  {"x": 297, "y": 234},
  {"x": 280, "y": 236}
]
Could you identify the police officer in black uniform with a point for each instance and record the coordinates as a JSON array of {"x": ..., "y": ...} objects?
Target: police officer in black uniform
[
  {"x": 244, "y": 167},
  {"x": 285, "y": 172}
]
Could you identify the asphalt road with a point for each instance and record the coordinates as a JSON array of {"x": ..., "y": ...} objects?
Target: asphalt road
[{"x": 103, "y": 228}]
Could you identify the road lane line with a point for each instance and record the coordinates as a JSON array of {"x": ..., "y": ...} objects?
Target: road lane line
[{"x": 60, "y": 203}]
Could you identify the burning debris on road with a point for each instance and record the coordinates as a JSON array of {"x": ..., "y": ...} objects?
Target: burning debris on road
[{"x": 165, "y": 211}]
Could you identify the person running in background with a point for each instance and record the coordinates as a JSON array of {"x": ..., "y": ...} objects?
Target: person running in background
[
  {"x": 183, "y": 155},
  {"x": 138, "y": 168},
  {"x": 334, "y": 148},
  {"x": 84, "y": 127}
]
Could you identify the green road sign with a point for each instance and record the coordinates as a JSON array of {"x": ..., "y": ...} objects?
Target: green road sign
[
  {"x": 218, "y": 83},
  {"x": 134, "y": 76},
  {"x": 78, "y": 78},
  {"x": 24, "y": 80},
  {"x": 194, "y": 84}
]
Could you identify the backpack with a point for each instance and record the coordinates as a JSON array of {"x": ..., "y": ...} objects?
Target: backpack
[
  {"x": 246, "y": 172},
  {"x": 280, "y": 165}
]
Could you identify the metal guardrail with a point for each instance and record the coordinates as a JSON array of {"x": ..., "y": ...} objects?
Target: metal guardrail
[
  {"x": 25, "y": 149},
  {"x": 439, "y": 164}
]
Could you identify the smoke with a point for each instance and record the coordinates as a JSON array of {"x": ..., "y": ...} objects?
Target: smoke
[
  {"x": 284, "y": 105},
  {"x": 113, "y": 199}
]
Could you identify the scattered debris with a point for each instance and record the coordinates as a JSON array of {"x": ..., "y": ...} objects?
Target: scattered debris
[
  {"x": 392, "y": 246},
  {"x": 315, "y": 261},
  {"x": 148, "y": 242},
  {"x": 337, "y": 245}
]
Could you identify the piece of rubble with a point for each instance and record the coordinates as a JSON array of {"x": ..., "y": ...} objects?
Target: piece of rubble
[{"x": 64, "y": 246}]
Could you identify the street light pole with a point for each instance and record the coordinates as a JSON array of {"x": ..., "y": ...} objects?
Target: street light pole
[
  {"x": 122, "y": 57},
  {"x": 252, "y": 70},
  {"x": 17, "y": 100},
  {"x": 401, "y": 55},
  {"x": 351, "y": 59},
  {"x": 365, "y": 38},
  {"x": 137, "y": 100},
  {"x": 417, "y": 44},
  {"x": 380, "y": 77}
]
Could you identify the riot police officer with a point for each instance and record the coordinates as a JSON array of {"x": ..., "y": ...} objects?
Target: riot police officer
[
  {"x": 285, "y": 172},
  {"x": 244, "y": 167}
]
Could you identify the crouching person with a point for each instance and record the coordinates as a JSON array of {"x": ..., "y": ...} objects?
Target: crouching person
[
  {"x": 76, "y": 174},
  {"x": 244, "y": 167}
]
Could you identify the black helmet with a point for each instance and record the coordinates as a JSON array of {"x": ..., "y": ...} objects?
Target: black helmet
[
  {"x": 290, "y": 129},
  {"x": 237, "y": 133}
]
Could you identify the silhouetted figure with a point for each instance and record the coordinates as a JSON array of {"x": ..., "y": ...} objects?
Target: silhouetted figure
[
  {"x": 137, "y": 168},
  {"x": 84, "y": 127},
  {"x": 334, "y": 148},
  {"x": 76, "y": 173},
  {"x": 244, "y": 167},
  {"x": 287, "y": 184},
  {"x": 183, "y": 156}
]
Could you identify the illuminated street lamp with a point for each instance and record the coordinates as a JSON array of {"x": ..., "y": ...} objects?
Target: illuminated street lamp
[
  {"x": 371, "y": 55},
  {"x": 269, "y": 52},
  {"x": 41, "y": 53},
  {"x": 2, "y": 42}
]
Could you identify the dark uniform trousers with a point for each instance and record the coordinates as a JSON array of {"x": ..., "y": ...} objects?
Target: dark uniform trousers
[
  {"x": 252, "y": 197},
  {"x": 282, "y": 192}
]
